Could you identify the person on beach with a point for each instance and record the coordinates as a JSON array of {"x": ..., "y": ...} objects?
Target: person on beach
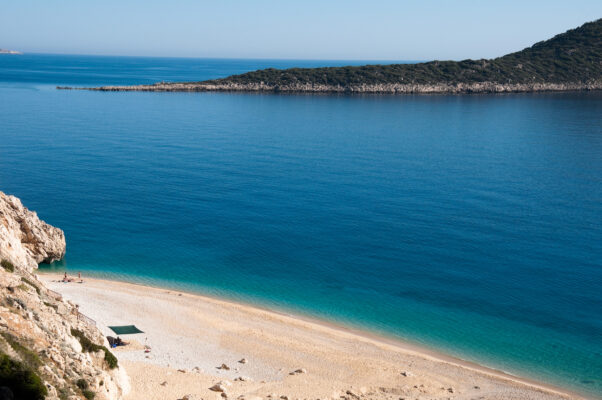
[
  {"x": 79, "y": 276},
  {"x": 66, "y": 279}
]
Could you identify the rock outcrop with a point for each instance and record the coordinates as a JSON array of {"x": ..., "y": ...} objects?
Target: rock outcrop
[
  {"x": 25, "y": 240},
  {"x": 43, "y": 337}
]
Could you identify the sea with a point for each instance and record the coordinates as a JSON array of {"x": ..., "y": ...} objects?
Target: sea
[{"x": 469, "y": 224}]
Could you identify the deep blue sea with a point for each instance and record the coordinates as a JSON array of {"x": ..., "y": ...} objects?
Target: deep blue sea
[{"x": 471, "y": 224}]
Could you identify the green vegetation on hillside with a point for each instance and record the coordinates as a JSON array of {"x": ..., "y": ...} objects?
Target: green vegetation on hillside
[
  {"x": 84, "y": 386},
  {"x": 7, "y": 265},
  {"x": 30, "y": 283},
  {"x": 21, "y": 380},
  {"x": 90, "y": 347},
  {"x": 20, "y": 375},
  {"x": 30, "y": 358},
  {"x": 572, "y": 57}
]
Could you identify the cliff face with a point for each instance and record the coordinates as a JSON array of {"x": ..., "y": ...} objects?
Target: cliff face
[
  {"x": 25, "y": 240},
  {"x": 47, "y": 349}
]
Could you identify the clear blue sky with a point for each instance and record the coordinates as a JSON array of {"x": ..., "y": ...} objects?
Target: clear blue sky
[{"x": 308, "y": 29}]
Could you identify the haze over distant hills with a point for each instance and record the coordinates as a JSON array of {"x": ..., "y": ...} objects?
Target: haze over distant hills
[{"x": 568, "y": 61}]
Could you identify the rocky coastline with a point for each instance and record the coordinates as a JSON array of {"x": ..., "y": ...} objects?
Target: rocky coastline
[
  {"x": 48, "y": 349},
  {"x": 570, "y": 61},
  {"x": 440, "y": 88}
]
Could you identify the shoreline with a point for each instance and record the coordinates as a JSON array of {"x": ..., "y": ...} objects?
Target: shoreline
[
  {"x": 324, "y": 326},
  {"x": 384, "y": 88}
]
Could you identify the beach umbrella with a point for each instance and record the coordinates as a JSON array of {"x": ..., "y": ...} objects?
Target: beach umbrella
[{"x": 125, "y": 329}]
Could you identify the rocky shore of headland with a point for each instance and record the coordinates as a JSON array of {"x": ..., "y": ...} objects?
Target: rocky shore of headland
[
  {"x": 569, "y": 61},
  {"x": 48, "y": 348},
  {"x": 397, "y": 88}
]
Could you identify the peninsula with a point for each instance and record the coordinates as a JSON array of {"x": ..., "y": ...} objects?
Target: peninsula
[{"x": 568, "y": 61}]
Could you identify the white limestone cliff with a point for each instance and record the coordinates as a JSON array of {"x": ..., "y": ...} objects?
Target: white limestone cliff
[
  {"x": 25, "y": 240},
  {"x": 36, "y": 324}
]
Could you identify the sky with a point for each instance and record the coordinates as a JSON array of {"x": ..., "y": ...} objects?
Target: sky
[{"x": 308, "y": 29}]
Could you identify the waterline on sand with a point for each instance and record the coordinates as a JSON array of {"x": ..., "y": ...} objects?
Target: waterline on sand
[{"x": 111, "y": 291}]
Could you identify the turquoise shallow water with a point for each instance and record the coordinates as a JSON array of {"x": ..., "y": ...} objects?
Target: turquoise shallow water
[{"x": 470, "y": 224}]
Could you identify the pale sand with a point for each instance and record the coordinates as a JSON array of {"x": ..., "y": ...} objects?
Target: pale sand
[{"x": 187, "y": 331}]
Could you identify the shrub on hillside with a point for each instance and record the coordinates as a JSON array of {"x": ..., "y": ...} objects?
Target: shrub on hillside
[
  {"x": 7, "y": 265},
  {"x": 23, "y": 382},
  {"x": 30, "y": 358},
  {"x": 82, "y": 384},
  {"x": 90, "y": 347},
  {"x": 30, "y": 283}
]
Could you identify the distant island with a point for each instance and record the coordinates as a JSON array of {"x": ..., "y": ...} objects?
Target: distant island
[
  {"x": 568, "y": 61},
  {"x": 5, "y": 51}
]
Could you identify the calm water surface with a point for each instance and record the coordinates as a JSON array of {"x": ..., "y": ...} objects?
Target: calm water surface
[{"x": 465, "y": 223}]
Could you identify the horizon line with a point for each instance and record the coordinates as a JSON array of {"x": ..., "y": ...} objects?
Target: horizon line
[{"x": 22, "y": 53}]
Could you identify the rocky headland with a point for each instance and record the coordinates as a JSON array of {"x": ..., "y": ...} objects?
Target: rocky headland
[
  {"x": 567, "y": 62},
  {"x": 48, "y": 349},
  {"x": 385, "y": 88}
]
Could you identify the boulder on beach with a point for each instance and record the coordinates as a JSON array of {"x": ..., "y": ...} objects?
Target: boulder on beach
[{"x": 220, "y": 386}]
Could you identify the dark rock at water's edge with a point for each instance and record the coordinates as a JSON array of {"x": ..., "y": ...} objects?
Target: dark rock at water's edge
[
  {"x": 569, "y": 61},
  {"x": 25, "y": 240}
]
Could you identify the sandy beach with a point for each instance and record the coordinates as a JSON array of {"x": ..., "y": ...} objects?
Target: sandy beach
[{"x": 191, "y": 336}]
